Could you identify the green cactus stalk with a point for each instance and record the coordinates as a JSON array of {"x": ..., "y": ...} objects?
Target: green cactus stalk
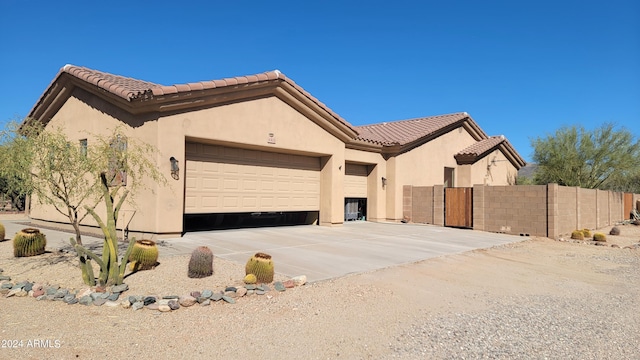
[
  {"x": 29, "y": 242},
  {"x": 144, "y": 255},
  {"x": 261, "y": 266},
  {"x": 599, "y": 237},
  {"x": 201, "y": 263},
  {"x": 2, "y": 232}
]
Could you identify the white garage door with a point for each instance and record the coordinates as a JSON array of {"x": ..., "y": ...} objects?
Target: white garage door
[
  {"x": 355, "y": 180},
  {"x": 223, "y": 179}
]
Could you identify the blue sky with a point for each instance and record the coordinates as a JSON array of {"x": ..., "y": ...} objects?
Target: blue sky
[{"x": 521, "y": 69}]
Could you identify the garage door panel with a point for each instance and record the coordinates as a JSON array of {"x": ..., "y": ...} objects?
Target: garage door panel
[
  {"x": 242, "y": 180},
  {"x": 355, "y": 181}
]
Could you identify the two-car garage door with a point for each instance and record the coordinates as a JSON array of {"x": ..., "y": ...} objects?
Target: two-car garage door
[{"x": 221, "y": 179}]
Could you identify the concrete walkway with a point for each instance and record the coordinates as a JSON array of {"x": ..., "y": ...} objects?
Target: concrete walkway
[{"x": 318, "y": 252}]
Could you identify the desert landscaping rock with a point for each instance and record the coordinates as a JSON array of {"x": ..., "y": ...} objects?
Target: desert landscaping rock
[
  {"x": 207, "y": 293},
  {"x": 173, "y": 304},
  {"x": 149, "y": 300},
  {"x": 299, "y": 280},
  {"x": 120, "y": 288},
  {"x": 164, "y": 308},
  {"x": 187, "y": 300},
  {"x": 137, "y": 305},
  {"x": 216, "y": 297},
  {"x": 86, "y": 300},
  {"x": 229, "y": 299},
  {"x": 99, "y": 301},
  {"x": 5, "y": 278},
  {"x": 241, "y": 291},
  {"x": 279, "y": 286}
]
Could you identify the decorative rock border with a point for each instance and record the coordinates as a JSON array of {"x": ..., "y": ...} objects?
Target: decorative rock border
[
  {"x": 113, "y": 296},
  {"x": 599, "y": 243}
]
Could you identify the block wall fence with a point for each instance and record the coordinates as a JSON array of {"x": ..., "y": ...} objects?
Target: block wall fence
[{"x": 534, "y": 210}]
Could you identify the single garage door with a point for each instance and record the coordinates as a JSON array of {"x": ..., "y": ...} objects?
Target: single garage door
[
  {"x": 222, "y": 179},
  {"x": 355, "y": 180}
]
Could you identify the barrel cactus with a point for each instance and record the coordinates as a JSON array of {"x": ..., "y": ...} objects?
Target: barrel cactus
[
  {"x": 2, "y": 232},
  {"x": 29, "y": 242},
  {"x": 577, "y": 235},
  {"x": 586, "y": 233},
  {"x": 261, "y": 266},
  {"x": 144, "y": 255},
  {"x": 250, "y": 279},
  {"x": 599, "y": 237},
  {"x": 201, "y": 263}
]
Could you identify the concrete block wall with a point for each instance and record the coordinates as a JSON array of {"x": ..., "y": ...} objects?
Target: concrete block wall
[
  {"x": 535, "y": 210},
  {"x": 512, "y": 209}
]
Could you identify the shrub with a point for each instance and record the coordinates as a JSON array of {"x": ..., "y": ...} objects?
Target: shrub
[
  {"x": 577, "y": 235},
  {"x": 201, "y": 263},
  {"x": 261, "y": 266},
  {"x": 29, "y": 242},
  {"x": 614, "y": 231},
  {"x": 599, "y": 237}
]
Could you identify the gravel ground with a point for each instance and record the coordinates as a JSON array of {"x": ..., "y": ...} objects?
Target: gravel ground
[{"x": 534, "y": 299}]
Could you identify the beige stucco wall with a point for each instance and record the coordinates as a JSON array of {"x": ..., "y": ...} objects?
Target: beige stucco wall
[{"x": 486, "y": 171}]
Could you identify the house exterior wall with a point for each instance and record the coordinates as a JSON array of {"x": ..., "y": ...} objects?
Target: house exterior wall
[
  {"x": 376, "y": 194},
  {"x": 486, "y": 171}
]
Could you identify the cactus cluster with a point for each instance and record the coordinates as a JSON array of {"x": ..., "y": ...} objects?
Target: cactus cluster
[
  {"x": 586, "y": 233},
  {"x": 261, "y": 266},
  {"x": 201, "y": 263},
  {"x": 599, "y": 237},
  {"x": 29, "y": 242},
  {"x": 144, "y": 255}
]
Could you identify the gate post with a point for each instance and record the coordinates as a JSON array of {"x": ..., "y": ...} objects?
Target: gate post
[
  {"x": 478, "y": 207},
  {"x": 438, "y": 205}
]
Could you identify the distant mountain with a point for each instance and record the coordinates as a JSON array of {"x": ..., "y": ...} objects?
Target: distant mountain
[{"x": 528, "y": 170}]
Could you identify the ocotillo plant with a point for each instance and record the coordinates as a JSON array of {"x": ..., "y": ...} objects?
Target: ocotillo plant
[{"x": 111, "y": 270}]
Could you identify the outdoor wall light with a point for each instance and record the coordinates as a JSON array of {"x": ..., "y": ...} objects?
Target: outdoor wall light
[
  {"x": 384, "y": 181},
  {"x": 175, "y": 170}
]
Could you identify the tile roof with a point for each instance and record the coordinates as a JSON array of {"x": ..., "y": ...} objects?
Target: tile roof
[
  {"x": 124, "y": 87},
  {"x": 131, "y": 89},
  {"x": 482, "y": 146},
  {"x": 406, "y": 131}
]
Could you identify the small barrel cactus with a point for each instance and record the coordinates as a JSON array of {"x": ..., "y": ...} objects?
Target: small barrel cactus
[
  {"x": 250, "y": 279},
  {"x": 586, "y": 233},
  {"x": 599, "y": 237},
  {"x": 2, "y": 232},
  {"x": 577, "y": 235},
  {"x": 614, "y": 231},
  {"x": 261, "y": 266},
  {"x": 201, "y": 263},
  {"x": 29, "y": 242},
  {"x": 144, "y": 255}
]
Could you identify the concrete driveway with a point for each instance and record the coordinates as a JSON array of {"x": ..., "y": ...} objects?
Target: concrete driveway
[
  {"x": 328, "y": 252},
  {"x": 318, "y": 252}
]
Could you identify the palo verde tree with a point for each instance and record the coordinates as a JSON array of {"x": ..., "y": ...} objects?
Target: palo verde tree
[
  {"x": 75, "y": 177},
  {"x": 596, "y": 159}
]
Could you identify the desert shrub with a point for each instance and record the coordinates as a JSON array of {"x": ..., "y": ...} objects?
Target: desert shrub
[
  {"x": 599, "y": 237},
  {"x": 577, "y": 235}
]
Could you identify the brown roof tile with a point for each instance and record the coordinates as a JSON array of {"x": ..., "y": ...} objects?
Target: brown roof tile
[
  {"x": 482, "y": 146},
  {"x": 406, "y": 131},
  {"x": 124, "y": 87}
]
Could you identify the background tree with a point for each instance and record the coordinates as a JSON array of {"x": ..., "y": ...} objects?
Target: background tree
[
  {"x": 574, "y": 156},
  {"x": 74, "y": 177}
]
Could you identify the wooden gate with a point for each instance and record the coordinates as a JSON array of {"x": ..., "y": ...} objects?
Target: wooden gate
[
  {"x": 628, "y": 205},
  {"x": 458, "y": 207}
]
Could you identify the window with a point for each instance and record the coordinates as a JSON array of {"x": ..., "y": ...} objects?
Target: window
[
  {"x": 83, "y": 147},
  {"x": 117, "y": 174},
  {"x": 449, "y": 177}
]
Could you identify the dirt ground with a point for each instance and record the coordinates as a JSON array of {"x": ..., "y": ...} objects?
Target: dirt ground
[{"x": 362, "y": 316}]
